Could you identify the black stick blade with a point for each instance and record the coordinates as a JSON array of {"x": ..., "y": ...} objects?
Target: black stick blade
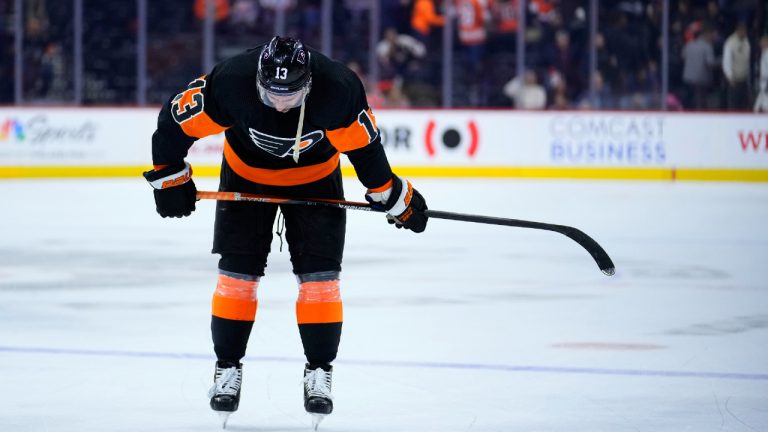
[
  {"x": 599, "y": 254},
  {"x": 601, "y": 257}
]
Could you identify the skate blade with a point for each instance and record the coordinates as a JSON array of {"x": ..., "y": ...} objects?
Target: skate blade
[
  {"x": 316, "y": 419},
  {"x": 224, "y": 416}
]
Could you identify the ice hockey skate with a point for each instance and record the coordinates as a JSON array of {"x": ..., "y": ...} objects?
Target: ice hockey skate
[
  {"x": 225, "y": 393},
  {"x": 317, "y": 393}
]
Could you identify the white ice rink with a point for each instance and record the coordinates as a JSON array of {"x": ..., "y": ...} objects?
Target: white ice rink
[{"x": 105, "y": 311}]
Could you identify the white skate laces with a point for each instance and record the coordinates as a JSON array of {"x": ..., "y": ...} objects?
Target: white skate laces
[
  {"x": 227, "y": 382},
  {"x": 318, "y": 383}
]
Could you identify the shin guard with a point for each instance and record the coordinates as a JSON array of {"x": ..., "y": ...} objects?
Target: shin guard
[
  {"x": 233, "y": 313},
  {"x": 319, "y": 315}
]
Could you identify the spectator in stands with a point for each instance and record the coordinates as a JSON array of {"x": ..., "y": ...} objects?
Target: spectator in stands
[
  {"x": 528, "y": 95},
  {"x": 372, "y": 92},
  {"x": 271, "y": 10},
  {"x": 699, "y": 63},
  {"x": 423, "y": 18},
  {"x": 278, "y": 4},
  {"x": 560, "y": 101},
  {"x": 599, "y": 96},
  {"x": 37, "y": 37},
  {"x": 544, "y": 10},
  {"x": 52, "y": 73},
  {"x": 556, "y": 86},
  {"x": 394, "y": 96},
  {"x": 504, "y": 16},
  {"x": 715, "y": 17},
  {"x": 245, "y": 15},
  {"x": 647, "y": 88},
  {"x": 736, "y": 63},
  {"x": 473, "y": 18},
  {"x": 761, "y": 104},
  {"x": 562, "y": 57},
  {"x": 399, "y": 55},
  {"x": 624, "y": 38},
  {"x": 357, "y": 12},
  {"x": 220, "y": 9},
  {"x": 607, "y": 62}
]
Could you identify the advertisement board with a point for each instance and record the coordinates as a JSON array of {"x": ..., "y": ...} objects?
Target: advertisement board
[{"x": 498, "y": 143}]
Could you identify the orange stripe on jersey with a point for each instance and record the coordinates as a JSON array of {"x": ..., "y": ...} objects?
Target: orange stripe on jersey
[
  {"x": 201, "y": 126},
  {"x": 319, "y": 302},
  {"x": 279, "y": 177},
  {"x": 235, "y": 299},
  {"x": 382, "y": 188},
  {"x": 356, "y": 135}
]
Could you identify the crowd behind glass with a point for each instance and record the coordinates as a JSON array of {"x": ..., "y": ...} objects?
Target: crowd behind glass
[{"x": 717, "y": 56}]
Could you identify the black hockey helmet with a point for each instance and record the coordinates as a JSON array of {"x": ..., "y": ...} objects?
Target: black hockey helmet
[{"x": 283, "y": 68}]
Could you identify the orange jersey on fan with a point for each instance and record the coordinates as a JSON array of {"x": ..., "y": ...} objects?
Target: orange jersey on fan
[
  {"x": 425, "y": 17},
  {"x": 473, "y": 16},
  {"x": 221, "y": 9},
  {"x": 505, "y": 15},
  {"x": 542, "y": 7}
]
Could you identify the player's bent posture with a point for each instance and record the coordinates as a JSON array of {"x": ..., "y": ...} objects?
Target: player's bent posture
[{"x": 287, "y": 111}]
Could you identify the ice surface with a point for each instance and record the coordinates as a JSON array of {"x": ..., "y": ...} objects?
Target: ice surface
[{"x": 105, "y": 308}]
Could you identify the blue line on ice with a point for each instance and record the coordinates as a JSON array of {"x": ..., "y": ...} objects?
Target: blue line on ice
[{"x": 406, "y": 364}]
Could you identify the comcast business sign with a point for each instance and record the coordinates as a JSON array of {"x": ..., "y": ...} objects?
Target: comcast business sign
[{"x": 613, "y": 139}]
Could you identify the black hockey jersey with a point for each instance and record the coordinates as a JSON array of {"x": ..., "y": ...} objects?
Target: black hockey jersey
[{"x": 259, "y": 139}]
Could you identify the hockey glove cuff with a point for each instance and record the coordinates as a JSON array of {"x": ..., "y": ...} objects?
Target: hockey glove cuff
[
  {"x": 403, "y": 203},
  {"x": 175, "y": 192}
]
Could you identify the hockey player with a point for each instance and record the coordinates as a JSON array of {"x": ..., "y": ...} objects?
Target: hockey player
[{"x": 287, "y": 112}]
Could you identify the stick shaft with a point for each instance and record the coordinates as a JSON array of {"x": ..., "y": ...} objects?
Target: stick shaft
[
  {"x": 602, "y": 259},
  {"x": 242, "y": 196}
]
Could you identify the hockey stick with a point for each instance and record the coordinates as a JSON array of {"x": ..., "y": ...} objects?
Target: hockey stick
[{"x": 598, "y": 253}]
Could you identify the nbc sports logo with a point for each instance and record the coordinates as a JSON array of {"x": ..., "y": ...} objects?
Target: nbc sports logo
[{"x": 11, "y": 129}]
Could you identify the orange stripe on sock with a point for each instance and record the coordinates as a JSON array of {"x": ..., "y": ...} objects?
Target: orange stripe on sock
[
  {"x": 319, "y": 313},
  {"x": 235, "y": 299},
  {"x": 319, "y": 302},
  {"x": 234, "y": 309}
]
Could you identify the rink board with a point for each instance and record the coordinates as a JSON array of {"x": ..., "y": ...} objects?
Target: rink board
[{"x": 116, "y": 142}]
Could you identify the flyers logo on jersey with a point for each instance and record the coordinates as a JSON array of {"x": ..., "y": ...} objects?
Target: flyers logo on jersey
[{"x": 282, "y": 147}]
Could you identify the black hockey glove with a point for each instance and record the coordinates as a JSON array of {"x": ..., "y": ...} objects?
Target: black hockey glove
[
  {"x": 403, "y": 203},
  {"x": 175, "y": 192}
]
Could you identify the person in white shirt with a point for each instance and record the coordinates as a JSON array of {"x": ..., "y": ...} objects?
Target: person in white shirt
[
  {"x": 736, "y": 62},
  {"x": 761, "y": 104},
  {"x": 529, "y": 95}
]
